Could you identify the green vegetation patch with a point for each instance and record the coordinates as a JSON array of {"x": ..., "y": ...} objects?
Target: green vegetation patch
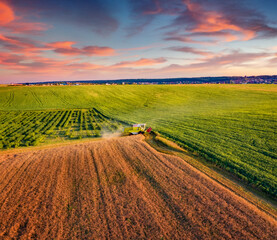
[{"x": 30, "y": 128}]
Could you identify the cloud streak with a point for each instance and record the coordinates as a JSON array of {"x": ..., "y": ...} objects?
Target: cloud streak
[
  {"x": 140, "y": 63},
  {"x": 21, "y": 45},
  {"x": 190, "y": 50},
  {"x": 234, "y": 59},
  {"x": 66, "y": 48}
]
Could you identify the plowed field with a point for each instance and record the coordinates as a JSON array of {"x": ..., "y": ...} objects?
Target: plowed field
[{"x": 118, "y": 188}]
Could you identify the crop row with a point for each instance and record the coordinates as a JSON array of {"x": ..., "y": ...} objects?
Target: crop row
[
  {"x": 246, "y": 150},
  {"x": 29, "y": 128}
]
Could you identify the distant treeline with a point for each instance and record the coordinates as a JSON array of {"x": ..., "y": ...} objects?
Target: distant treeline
[{"x": 195, "y": 80}]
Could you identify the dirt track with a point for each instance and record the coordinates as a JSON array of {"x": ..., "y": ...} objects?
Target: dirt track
[{"x": 118, "y": 189}]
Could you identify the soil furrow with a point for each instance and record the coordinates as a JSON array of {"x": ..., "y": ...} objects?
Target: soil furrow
[{"x": 119, "y": 188}]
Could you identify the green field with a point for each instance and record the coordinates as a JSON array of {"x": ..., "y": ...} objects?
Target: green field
[
  {"x": 232, "y": 126},
  {"x": 30, "y": 128}
]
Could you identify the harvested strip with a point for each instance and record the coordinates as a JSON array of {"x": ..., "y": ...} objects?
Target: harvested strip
[{"x": 119, "y": 188}]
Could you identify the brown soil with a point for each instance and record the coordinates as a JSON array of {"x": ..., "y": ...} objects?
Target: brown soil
[{"x": 119, "y": 188}]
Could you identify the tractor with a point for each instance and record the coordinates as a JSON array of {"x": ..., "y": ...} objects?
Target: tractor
[{"x": 136, "y": 129}]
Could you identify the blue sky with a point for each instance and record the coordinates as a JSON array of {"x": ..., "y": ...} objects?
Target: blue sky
[{"x": 59, "y": 40}]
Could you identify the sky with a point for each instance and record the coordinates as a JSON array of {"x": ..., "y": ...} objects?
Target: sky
[{"x": 65, "y": 40}]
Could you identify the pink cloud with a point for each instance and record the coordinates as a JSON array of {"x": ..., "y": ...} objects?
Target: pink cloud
[
  {"x": 8, "y": 59},
  {"x": 224, "y": 21},
  {"x": 31, "y": 63},
  {"x": 31, "y": 48},
  {"x": 214, "y": 21},
  {"x": 83, "y": 66},
  {"x": 98, "y": 51},
  {"x": 190, "y": 50},
  {"x": 184, "y": 39},
  {"x": 14, "y": 24},
  {"x": 20, "y": 45},
  {"x": 6, "y": 14},
  {"x": 66, "y": 48},
  {"x": 141, "y": 62},
  {"x": 27, "y": 27},
  {"x": 62, "y": 44},
  {"x": 151, "y": 46}
]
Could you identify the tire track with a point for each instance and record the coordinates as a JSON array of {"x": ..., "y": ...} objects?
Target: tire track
[
  {"x": 142, "y": 171},
  {"x": 109, "y": 194},
  {"x": 101, "y": 194},
  {"x": 10, "y": 100},
  {"x": 63, "y": 100},
  {"x": 151, "y": 200},
  {"x": 37, "y": 99}
]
